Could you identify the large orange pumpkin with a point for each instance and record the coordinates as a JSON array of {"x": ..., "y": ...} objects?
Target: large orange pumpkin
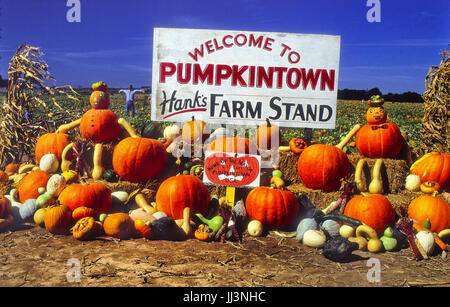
[
  {"x": 139, "y": 159},
  {"x": 379, "y": 141},
  {"x": 58, "y": 219},
  {"x": 99, "y": 100},
  {"x": 374, "y": 210},
  {"x": 94, "y": 195},
  {"x": 100, "y": 126},
  {"x": 194, "y": 131},
  {"x": 322, "y": 167},
  {"x": 273, "y": 207},
  {"x": 433, "y": 166},
  {"x": 28, "y": 186},
  {"x": 432, "y": 207},
  {"x": 234, "y": 145},
  {"x": 177, "y": 192},
  {"x": 51, "y": 143},
  {"x": 268, "y": 135},
  {"x": 118, "y": 225}
]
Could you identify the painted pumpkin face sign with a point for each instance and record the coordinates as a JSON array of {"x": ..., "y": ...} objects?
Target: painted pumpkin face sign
[{"x": 376, "y": 115}]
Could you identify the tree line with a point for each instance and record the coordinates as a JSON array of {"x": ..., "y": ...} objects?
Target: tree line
[{"x": 349, "y": 94}]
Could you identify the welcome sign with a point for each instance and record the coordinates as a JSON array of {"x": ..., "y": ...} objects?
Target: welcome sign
[{"x": 242, "y": 78}]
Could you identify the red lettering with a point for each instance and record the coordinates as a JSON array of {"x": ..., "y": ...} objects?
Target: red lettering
[
  {"x": 327, "y": 80},
  {"x": 289, "y": 78},
  {"x": 209, "y": 46},
  {"x": 312, "y": 77},
  {"x": 280, "y": 71},
  {"x": 216, "y": 44},
  {"x": 187, "y": 76},
  {"x": 268, "y": 44},
  {"x": 243, "y": 42},
  {"x": 285, "y": 47},
  {"x": 196, "y": 53},
  {"x": 255, "y": 42},
  {"x": 252, "y": 76},
  {"x": 224, "y": 41},
  {"x": 223, "y": 72},
  {"x": 166, "y": 69},
  {"x": 208, "y": 73},
  {"x": 297, "y": 55},
  {"x": 237, "y": 75},
  {"x": 264, "y": 76}
]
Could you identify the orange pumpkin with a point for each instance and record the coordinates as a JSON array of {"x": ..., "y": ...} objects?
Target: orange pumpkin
[
  {"x": 297, "y": 145},
  {"x": 51, "y": 143},
  {"x": 3, "y": 176},
  {"x": 143, "y": 228},
  {"x": 432, "y": 207},
  {"x": 100, "y": 126},
  {"x": 82, "y": 212},
  {"x": 322, "y": 167},
  {"x": 139, "y": 159},
  {"x": 234, "y": 145},
  {"x": 376, "y": 115},
  {"x": 268, "y": 135},
  {"x": 118, "y": 225},
  {"x": 86, "y": 228},
  {"x": 28, "y": 186},
  {"x": 273, "y": 207},
  {"x": 379, "y": 141},
  {"x": 11, "y": 168},
  {"x": 194, "y": 131},
  {"x": 177, "y": 192},
  {"x": 99, "y": 100},
  {"x": 374, "y": 210},
  {"x": 58, "y": 219},
  {"x": 433, "y": 166},
  {"x": 429, "y": 187},
  {"x": 4, "y": 207},
  {"x": 94, "y": 195}
]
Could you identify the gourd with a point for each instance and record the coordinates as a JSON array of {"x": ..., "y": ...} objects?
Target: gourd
[
  {"x": 159, "y": 214},
  {"x": 362, "y": 242},
  {"x": 171, "y": 132},
  {"x": 143, "y": 228},
  {"x": 214, "y": 223},
  {"x": 429, "y": 187},
  {"x": 297, "y": 145},
  {"x": 65, "y": 162},
  {"x": 277, "y": 182},
  {"x": 412, "y": 183},
  {"x": 45, "y": 199},
  {"x": 331, "y": 227},
  {"x": 305, "y": 225},
  {"x": 255, "y": 228},
  {"x": 388, "y": 239},
  {"x": 98, "y": 169},
  {"x": 360, "y": 185},
  {"x": 165, "y": 228},
  {"x": 38, "y": 217},
  {"x": 376, "y": 185},
  {"x": 119, "y": 197},
  {"x": 58, "y": 219},
  {"x": 149, "y": 159},
  {"x": 142, "y": 203},
  {"x": 346, "y": 231},
  {"x": 314, "y": 238},
  {"x": 141, "y": 214},
  {"x": 14, "y": 204},
  {"x": 55, "y": 184},
  {"x": 27, "y": 209},
  {"x": 444, "y": 235},
  {"x": 186, "y": 222},
  {"x": 49, "y": 163},
  {"x": 152, "y": 130},
  {"x": 86, "y": 228},
  {"x": 426, "y": 240},
  {"x": 203, "y": 233},
  {"x": 374, "y": 244}
]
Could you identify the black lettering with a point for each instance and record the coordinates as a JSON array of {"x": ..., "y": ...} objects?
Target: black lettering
[
  {"x": 275, "y": 107},
  {"x": 321, "y": 113},
  {"x": 213, "y": 104},
  {"x": 237, "y": 108},
  {"x": 310, "y": 112},
  {"x": 299, "y": 112}
]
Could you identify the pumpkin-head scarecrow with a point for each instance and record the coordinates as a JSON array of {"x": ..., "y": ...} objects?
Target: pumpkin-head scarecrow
[{"x": 135, "y": 158}]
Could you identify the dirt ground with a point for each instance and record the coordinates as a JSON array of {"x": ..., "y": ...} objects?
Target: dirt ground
[{"x": 32, "y": 257}]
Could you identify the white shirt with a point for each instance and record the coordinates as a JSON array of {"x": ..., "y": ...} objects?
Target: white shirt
[{"x": 130, "y": 94}]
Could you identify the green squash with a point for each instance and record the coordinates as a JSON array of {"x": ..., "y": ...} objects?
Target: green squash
[{"x": 152, "y": 130}]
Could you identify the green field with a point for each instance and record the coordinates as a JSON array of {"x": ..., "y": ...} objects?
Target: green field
[{"x": 349, "y": 113}]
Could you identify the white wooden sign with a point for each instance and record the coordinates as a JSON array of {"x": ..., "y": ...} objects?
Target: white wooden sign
[{"x": 243, "y": 77}]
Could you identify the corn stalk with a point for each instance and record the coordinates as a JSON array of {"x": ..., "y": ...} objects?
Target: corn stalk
[
  {"x": 435, "y": 132},
  {"x": 27, "y": 75}
]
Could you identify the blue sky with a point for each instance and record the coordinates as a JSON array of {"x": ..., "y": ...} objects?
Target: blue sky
[{"x": 113, "y": 41}]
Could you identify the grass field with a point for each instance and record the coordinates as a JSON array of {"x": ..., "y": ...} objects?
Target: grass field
[{"x": 406, "y": 115}]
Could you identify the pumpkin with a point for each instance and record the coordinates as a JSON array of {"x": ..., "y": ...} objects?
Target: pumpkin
[
  {"x": 429, "y": 187},
  {"x": 27, "y": 209},
  {"x": 297, "y": 145},
  {"x": 376, "y": 115},
  {"x": 171, "y": 132},
  {"x": 4, "y": 207},
  {"x": 433, "y": 208},
  {"x": 55, "y": 184},
  {"x": 177, "y": 192},
  {"x": 143, "y": 228},
  {"x": 322, "y": 167},
  {"x": 94, "y": 195},
  {"x": 379, "y": 141},
  {"x": 86, "y": 228},
  {"x": 152, "y": 130},
  {"x": 308, "y": 223},
  {"x": 49, "y": 163},
  {"x": 118, "y": 225},
  {"x": 82, "y": 212},
  {"x": 203, "y": 233},
  {"x": 165, "y": 141},
  {"x": 267, "y": 135},
  {"x": 3, "y": 176},
  {"x": 58, "y": 219},
  {"x": 28, "y": 186},
  {"x": 99, "y": 100},
  {"x": 194, "y": 131},
  {"x": 273, "y": 207},
  {"x": 139, "y": 159},
  {"x": 374, "y": 210},
  {"x": 433, "y": 166},
  {"x": 100, "y": 126},
  {"x": 51, "y": 143},
  {"x": 234, "y": 145}
]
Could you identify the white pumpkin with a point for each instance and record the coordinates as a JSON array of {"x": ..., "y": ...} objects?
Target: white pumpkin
[
  {"x": 412, "y": 183},
  {"x": 49, "y": 163},
  {"x": 119, "y": 197},
  {"x": 55, "y": 184},
  {"x": 426, "y": 239},
  {"x": 171, "y": 132},
  {"x": 255, "y": 228},
  {"x": 314, "y": 238}
]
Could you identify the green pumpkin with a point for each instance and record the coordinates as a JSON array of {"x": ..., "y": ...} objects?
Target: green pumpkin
[
  {"x": 152, "y": 131},
  {"x": 110, "y": 175}
]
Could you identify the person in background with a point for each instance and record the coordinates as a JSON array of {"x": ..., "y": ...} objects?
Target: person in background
[{"x": 129, "y": 93}]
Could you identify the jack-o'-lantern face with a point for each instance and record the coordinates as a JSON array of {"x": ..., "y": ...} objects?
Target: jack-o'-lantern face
[
  {"x": 99, "y": 100},
  {"x": 376, "y": 115}
]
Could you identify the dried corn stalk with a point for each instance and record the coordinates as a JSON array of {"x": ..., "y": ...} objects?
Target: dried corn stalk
[
  {"x": 435, "y": 132},
  {"x": 27, "y": 75}
]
